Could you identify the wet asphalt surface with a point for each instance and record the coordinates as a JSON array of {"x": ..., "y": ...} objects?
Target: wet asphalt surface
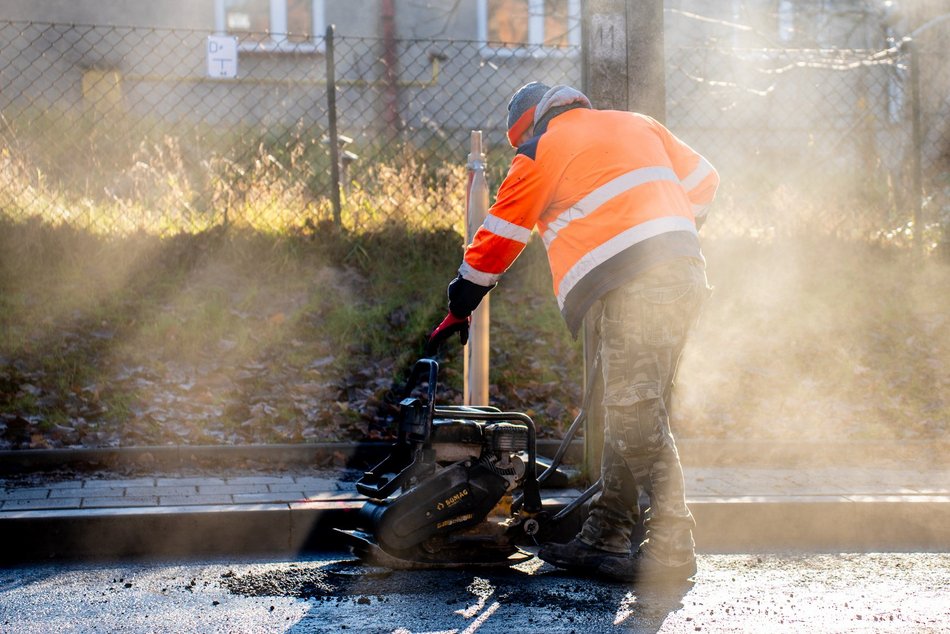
[{"x": 908, "y": 592}]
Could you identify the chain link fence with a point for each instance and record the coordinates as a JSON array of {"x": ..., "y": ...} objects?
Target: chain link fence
[
  {"x": 818, "y": 140},
  {"x": 930, "y": 91},
  {"x": 120, "y": 129}
]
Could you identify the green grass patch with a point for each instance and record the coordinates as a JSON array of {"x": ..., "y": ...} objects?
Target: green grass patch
[
  {"x": 192, "y": 293},
  {"x": 240, "y": 336}
]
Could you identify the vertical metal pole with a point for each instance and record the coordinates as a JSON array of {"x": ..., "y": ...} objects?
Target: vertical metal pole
[
  {"x": 334, "y": 137},
  {"x": 917, "y": 140},
  {"x": 594, "y": 383},
  {"x": 475, "y": 372}
]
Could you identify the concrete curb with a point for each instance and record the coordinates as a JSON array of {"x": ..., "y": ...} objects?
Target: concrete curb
[
  {"x": 694, "y": 452},
  {"x": 769, "y": 453},
  {"x": 173, "y": 457},
  {"x": 738, "y": 524},
  {"x": 906, "y": 508},
  {"x": 823, "y": 524}
]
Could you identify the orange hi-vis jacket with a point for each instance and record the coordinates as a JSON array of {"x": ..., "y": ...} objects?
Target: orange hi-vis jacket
[{"x": 611, "y": 193}]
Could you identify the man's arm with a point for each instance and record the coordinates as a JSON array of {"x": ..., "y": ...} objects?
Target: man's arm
[
  {"x": 697, "y": 175},
  {"x": 496, "y": 245},
  {"x": 521, "y": 199}
]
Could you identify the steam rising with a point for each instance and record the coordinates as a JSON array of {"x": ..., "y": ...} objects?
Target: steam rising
[{"x": 807, "y": 340}]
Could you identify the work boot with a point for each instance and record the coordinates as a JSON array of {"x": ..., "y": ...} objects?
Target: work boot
[
  {"x": 642, "y": 567},
  {"x": 579, "y": 557}
]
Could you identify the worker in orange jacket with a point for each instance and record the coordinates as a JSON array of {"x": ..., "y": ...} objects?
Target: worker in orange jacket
[{"x": 617, "y": 200}]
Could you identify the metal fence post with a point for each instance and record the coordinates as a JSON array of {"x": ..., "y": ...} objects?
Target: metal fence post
[
  {"x": 475, "y": 388},
  {"x": 334, "y": 137},
  {"x": 917, "y": 140}
]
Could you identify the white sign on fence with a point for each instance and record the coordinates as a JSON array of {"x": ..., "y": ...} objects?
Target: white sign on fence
[{"x": 222, "y": 56}]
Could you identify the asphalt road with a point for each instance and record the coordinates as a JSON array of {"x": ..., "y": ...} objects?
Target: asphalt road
[{"x": 333, "y": 593}]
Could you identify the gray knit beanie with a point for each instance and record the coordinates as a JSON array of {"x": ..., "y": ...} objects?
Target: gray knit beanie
[{"x": 524, "y": 100}]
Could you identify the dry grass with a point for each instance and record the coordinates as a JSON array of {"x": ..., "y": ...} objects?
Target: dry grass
[{"x": 283, "y": 328}]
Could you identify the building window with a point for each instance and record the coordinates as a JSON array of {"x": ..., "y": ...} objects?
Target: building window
[
  {"x": 549, "y": 25},
  {"x": 291, "y": 25}
]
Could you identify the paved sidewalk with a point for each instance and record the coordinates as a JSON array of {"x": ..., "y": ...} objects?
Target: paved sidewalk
[
  {"x": 737, "y": 509},
  {"x": 843, "y": 484},
  {"x": 163, "y": 491}
]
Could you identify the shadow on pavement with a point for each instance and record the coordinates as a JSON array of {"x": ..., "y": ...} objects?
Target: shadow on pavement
[{"x": 530, "y": 597}]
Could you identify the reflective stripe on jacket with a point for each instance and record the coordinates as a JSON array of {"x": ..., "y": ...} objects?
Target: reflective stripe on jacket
[{"x": 612, "y": 193}]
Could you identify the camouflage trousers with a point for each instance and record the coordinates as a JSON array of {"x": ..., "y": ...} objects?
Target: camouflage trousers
[{"x": 643, "y": 327}]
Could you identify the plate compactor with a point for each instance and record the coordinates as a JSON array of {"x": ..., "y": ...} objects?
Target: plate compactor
[{"x": 459, "y": 487}]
